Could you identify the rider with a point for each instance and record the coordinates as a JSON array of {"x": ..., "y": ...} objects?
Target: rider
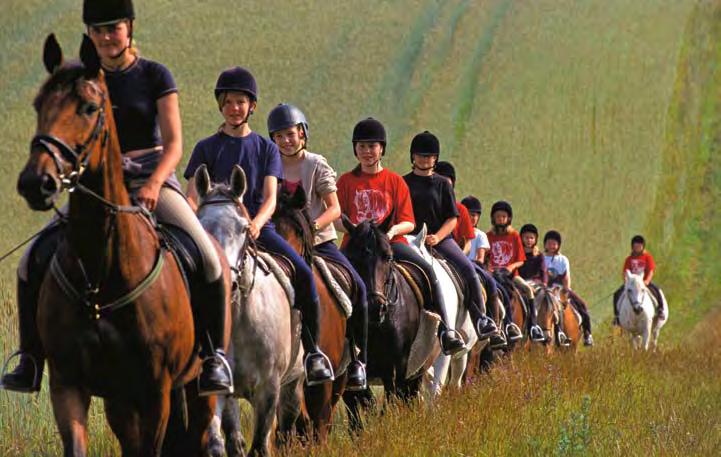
[
  {"x": 640, "y": 262},
  {"x": 370, "y": 191},
  {"x": 145, "y": 108},
  {"x": 507, "y": 255},
  {"x": 236, "y": 93},
  {"x": 434, "y": 205},
  {"x": 533, "y": 269},
  {"x": 559, "y": 272},
  {"x": 288, "y": 128}
]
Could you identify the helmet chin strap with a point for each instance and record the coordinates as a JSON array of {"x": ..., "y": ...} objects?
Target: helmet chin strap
[
  {"x": 240, "y": 124},
  {"x": 416, "y": 167}
]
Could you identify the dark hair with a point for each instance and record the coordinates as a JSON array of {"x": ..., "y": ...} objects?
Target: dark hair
[{"x": 638, "y": 239}]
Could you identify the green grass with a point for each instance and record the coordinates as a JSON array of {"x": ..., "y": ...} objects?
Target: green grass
[{"x": 598, "y": 118}]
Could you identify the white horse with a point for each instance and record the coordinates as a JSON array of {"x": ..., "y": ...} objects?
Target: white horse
[
  {"x": 265, "y": 350},
  {"x": 637, "y": 312},
  {"x": 447, "y": 369}
]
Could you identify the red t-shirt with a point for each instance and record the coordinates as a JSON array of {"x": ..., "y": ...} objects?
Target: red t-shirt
[
  {"x": 464, "y": 227},
  {"x": 640, "y": 265},
  {"x": 505, "y": 249},
  {"x": 366, "y": 196}
]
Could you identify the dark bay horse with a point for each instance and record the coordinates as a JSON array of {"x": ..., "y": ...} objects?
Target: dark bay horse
[
  {"x": 265, "y": 351},
  {"x": 293, "y": 223},
  {"x": 113, "y": 313},
  {"x": 394, "y": 317}
]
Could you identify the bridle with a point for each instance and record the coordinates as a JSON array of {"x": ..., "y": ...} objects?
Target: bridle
[{"x": 636, "y": 304}]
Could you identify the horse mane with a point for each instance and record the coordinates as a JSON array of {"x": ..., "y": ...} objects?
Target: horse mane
[
  {"x": 298, "y": 217},
  {"x": 222, "y": 191},
  {"x": 62, "y": 79}
]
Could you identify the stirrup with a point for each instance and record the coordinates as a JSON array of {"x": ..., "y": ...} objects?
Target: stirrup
[
  {"x": 520, "y": 333},
  {"x": 226, "y": 365},
  {"x": 36, "y": 381},
  {"x": 328, "y": 363},
  {"x": 365, "y": 383},
  {"x": 563, "y": 339},
  {"x": 540, "y": 331}
]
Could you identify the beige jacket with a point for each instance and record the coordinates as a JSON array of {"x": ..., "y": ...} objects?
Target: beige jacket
[{"x": 318, "y": 180}]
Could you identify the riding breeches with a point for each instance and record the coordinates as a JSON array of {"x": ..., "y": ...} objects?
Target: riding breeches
[
  {"x": 524, "y": 287},
  {"x": 453, "y": 254}
]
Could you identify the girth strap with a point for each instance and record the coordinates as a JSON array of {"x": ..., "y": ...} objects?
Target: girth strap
[{"x": 98, "y": 310}]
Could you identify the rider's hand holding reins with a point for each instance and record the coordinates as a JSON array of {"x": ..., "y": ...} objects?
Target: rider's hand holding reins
[{"x": 148, "y": 195}]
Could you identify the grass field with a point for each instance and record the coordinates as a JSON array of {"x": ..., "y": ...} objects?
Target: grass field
[{"x": 598, "y": 118}]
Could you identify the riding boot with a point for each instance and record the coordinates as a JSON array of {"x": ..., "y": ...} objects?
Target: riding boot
[
  {"x": 616, "y": 298},
  {"x": 451, "y": 342},
  {"x": 317, "y": 366},
  {"x": 357, "y": 379},
  {"x": 534, "y": 331},
  {"x": 561, "y": 336},
  {"x": 215, "y": 376},
  {"x": 28, "y": 374}
]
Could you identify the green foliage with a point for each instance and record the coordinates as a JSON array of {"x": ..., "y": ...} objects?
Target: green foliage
[{"x": 575, "y": 435}]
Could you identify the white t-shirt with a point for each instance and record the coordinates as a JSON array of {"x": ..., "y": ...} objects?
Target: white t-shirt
[
  {"x": 478, "y": 242},
  {"x": 557, "y": 265}
]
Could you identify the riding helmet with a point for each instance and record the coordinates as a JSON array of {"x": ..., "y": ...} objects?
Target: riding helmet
[
  {"x": 472, "y": 204},
  {"x": 447, "y": 170},
  {"x": 530, "y": 228},
  {"x": 638, "y": 239},
  {"x": 502, "y": 206},
  {"x": 237, "y": 79},
  {"x": 425, "y": 144},
  {"x": 552, "y": 235},
  {"x": 285, "y": 116},
  {"x": 370, "y": 130},
  {"x": 104, "y": 12}
]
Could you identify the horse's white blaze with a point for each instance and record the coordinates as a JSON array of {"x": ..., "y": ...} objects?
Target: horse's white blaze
[
  {"x": 458, "y": 319},
  {"x": 636, "y": 312}
]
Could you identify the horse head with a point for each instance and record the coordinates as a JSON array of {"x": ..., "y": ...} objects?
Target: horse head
[
  {"x": 293, "y": 222},
  {"x": 369, "y": 251},
  {"x": 548, "y": 312},
  {"x": 636, "y": 291},
  {"x": 221, "y": 212},
  {"x": 74, "y": 126}
]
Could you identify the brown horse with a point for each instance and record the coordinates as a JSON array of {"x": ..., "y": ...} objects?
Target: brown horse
[
  {"x": 113, "y": 314},
  {"x": 553, "y": 304},
  {"x": 294, "y": 224}
]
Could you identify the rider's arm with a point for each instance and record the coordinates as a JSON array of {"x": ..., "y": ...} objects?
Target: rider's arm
[
  {"x": 445, "y": 230},
  {"x": 481, "y": 255},
  {"x": 514, "y": 266},
  {"x": 332, "y": 210},
  {"x": 401, "y": 228},
  {"x": 649, "y": 277},
  {"x": 270, "y": 189},
  {"x": 467, "y": 247}
]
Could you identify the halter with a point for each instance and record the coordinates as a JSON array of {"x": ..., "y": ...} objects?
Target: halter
[{"x": 636, "y": 304}]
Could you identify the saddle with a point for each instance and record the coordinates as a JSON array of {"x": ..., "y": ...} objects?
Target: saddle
[
  {"x": 417, "y": 279},
  {"x": 186, "y": 253},
  {"x": 339, "y": 281}
]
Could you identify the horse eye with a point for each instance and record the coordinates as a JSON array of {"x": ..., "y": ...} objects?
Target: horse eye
[{"x": 88, "y": 108}]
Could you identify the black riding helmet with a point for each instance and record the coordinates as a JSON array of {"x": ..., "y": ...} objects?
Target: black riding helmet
[
  {"x": 502, "y": 206},
  {"x": 237, "y": 79},
  {"x": 552, "y": 235},
  {"x": 529, "y": 228},
  {"x": 285, "y": 116},
  {"x": 638, "y": 239},
  {"x": 425, "y": 144},
  {"x": 105, "y": 12},
  {"x": 447, "y": 170},
  {"x": 472, "y": 204},
  {"x": 370, "y": 130}
]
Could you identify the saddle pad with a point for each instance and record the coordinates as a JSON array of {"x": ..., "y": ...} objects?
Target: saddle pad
[
  {"x": 424, "y": 343},
  {"x": 269, "y": 262},
  {"x": 341, "y": 297}
]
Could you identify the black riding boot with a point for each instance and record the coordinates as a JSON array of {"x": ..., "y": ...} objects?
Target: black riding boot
[
  {"x": 318, "y": 368},
  {"x": 534, "y": 331},
  {"x": 28, "y": 374},
  {"x": 616, "y": 298},
  {"x": 451, "y": 343},
  {"x": 561, "y": 336},
  {"x": 357, "y": 378},
  {"x": 215, "y": 376}
]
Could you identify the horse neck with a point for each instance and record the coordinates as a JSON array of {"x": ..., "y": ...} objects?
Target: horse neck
[
  {"x": 89, "y": 221},
  {"x": 298, "y": 236}
]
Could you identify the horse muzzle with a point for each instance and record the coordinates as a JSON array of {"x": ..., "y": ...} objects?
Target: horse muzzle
[{"x": 39, "y": 190}]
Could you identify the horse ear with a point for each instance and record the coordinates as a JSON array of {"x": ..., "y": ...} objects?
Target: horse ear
[
  {"x": 202, "y": 181},
  {"x": 52, "y": 54},
  {"x": 387, "y": 222},
  {"x": 89, "y": 57},
  {"x": 421, "y": 237},
  {"x": 349, "y": 226},
  {"x": 238, "y": 182},
  {"x": 628, "y": 275},
  {"x": 299, "y": 199}
]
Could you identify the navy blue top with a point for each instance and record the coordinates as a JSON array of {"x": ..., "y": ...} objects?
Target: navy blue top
[
  {"x": 433, "y": 201},
  {"x": 256, "y": 155},
  {"x": 134, "y": 92}
]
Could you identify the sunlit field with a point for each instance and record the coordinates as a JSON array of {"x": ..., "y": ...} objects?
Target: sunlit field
[{"x": 596, "y": 118}]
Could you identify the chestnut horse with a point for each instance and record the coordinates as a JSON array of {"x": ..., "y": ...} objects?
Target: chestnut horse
[
  {"x": 293, "y": 223},
  {"x": 553, "y": 304},
  {"x": 113, "y": 313}
]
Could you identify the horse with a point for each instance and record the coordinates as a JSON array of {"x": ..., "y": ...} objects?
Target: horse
[
  {"x": 446, "y": 369},
  {"x": 395, "y": 318},
  {"x": 265, "y": 353},
  {"x": 293, "y": 222},
  {"x": 114, "y": 315},
  {"x": 637, "y": 313},
  {"x": 520, "y": 314},
  {"x": 553, "y": 304}
]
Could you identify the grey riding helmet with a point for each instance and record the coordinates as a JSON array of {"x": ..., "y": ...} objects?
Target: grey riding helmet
[{"x": 285, "y": 116}]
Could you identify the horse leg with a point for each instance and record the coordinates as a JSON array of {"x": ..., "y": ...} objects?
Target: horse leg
[
  {"x": 216, "y": 442},
  {"x": 70, "y": 406},
  {"x": 124, "y": 420},
  {"x": 289, "y": 409},
  {"x": 200, "y": 414},
  {"x": 440, "y": 374},
  {"x": 318, "y": 401},
  {"x": 354, "y": 401},
  {"x": 230, "y": 422},
  {"x": 458, "y": 367},
  {"x": 265, "y": 405}
]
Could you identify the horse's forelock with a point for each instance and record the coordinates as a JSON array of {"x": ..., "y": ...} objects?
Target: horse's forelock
[{"x": 63, "y": 80}]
